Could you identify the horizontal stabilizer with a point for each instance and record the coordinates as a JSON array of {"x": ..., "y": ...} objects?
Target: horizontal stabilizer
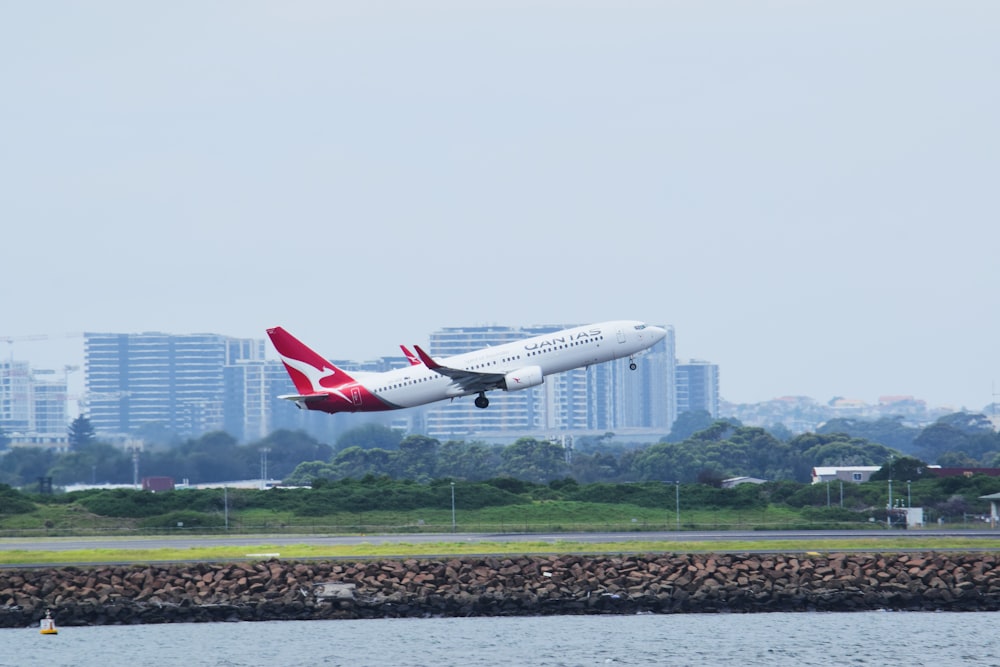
[{"x": 304, "y": 397}]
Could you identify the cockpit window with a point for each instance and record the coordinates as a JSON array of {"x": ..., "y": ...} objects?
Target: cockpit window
[{"x": 640, "y": 327}]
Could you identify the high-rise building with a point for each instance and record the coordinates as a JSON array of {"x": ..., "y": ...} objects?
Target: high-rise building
[
  {"x": 48, "y": 403},
  {"x": 698, "y": 387},
  {"x": 176, "y": 381},
  {"x": 32, "y": 402},
  {"x": 15, "y": 396}
]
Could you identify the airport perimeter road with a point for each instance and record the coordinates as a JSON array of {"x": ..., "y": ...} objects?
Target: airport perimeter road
[{"x": 256, "y": 541}]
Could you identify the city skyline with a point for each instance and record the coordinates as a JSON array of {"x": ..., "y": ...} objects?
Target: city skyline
[
  {"x": 197, "y": 383},
  {"x": 805, "y": 191},
  {"x": 76, "y": 378}
]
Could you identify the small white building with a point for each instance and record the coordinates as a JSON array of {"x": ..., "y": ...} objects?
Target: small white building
[
  {"x": 856, "y": 474},
  {"x": 914, "y": 517},
  {"x": 994, "y": 499}
]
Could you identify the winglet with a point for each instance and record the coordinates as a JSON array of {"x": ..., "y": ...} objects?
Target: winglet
[
  {"x": 412, "y": 358},
  {"x": 426, "y": 358}
]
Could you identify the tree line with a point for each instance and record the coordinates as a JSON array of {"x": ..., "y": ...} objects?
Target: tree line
[
  {"x": 696, "y": 450},
  {"x": 951, "y": 498}
]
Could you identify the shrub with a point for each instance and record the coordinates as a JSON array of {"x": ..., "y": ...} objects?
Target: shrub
[
  {"x": 182, "y": 519},
  {"x": 13, "y": 502}
]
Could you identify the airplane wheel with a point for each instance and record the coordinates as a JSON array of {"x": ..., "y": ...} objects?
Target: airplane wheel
[
  {"x": 482, "y": 401},
  {"x": 632, "y": 366}
]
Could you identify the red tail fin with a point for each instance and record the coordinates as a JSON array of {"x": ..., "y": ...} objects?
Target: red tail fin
[{"x": 310, "y": 372}]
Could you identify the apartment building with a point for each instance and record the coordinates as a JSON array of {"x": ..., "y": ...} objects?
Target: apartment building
[
  {"x": 698, "y": 387},
  {"x": 176, "y": 381}
]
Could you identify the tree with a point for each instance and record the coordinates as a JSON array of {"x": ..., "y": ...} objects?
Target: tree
[
  {"x": 711, "y": 477},
  {"x": 888, "y": 431},
  {"x": 370, "y": 436},
  {"x": 903, "y": 468},
  {"x": 308, "y": 473},
  {"x": 356, "y": 462},
  {"x": 534, "y": 460},
  {"x": 967, "y": 422},
  {"x": 780, "y": 432},
  {"x": 97, "y": 462},
  {"x": 81, "y": 433},
  {"x": 417, "y": 458},
  {"x": 668, "y": 461},
  {"x": 213, "y": 457},
  {"x": 470, "y": 461},
  {"x": 939, "y": 438},
  {"x": 595, "y": 467},
  {"x": 687, "y": 424},
  {"x": 287, "y": 450},
  {"x": 957, "y": 460},
  {"x": 24, "y": 465}
]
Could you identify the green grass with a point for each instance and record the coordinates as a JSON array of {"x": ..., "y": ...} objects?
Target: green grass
[{"x": 543, "y": 516}]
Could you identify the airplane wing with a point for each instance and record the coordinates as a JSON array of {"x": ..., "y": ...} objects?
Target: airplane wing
[{"x": 467, "y": 380}]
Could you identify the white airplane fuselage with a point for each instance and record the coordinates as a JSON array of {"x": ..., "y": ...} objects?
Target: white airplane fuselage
[{"x": 511, "y": 366}]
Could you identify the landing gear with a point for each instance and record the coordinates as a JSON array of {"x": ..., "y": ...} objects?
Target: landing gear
[
  {"x": 481, "y": 400},
  {"x": 631, "y": 363}
]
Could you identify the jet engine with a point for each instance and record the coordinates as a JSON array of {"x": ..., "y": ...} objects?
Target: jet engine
[{"x": 522, "y": 378}]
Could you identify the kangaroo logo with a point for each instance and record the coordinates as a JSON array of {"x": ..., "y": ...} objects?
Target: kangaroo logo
[{"x": 313, "y": 374}]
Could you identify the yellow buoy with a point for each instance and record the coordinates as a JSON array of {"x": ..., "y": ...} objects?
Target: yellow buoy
[{"x": 48, "y": 625}]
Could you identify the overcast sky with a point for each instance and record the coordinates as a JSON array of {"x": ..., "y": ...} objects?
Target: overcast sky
[{"x": 807, "y": 191}]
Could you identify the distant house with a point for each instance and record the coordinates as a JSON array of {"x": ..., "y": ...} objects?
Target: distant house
[{"x": 856, "y": 474}]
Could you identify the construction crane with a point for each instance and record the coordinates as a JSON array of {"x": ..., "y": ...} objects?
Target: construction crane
[
  {"x": 30, "y": 338},
  {"x": 16, "y": 339},
  {"x": 24, "y": 369}
]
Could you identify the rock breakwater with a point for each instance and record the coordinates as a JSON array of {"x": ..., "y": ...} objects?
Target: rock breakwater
[{"x": 498, "y": 586}]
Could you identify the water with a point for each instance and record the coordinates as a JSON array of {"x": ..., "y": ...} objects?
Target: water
[{"x": 859, "y": 638}]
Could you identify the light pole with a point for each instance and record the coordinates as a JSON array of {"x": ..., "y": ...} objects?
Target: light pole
[
  {"x": 677, "y": 502},
  {"x": 453, "y": 507},
  {"x": 888, "y": 514},
  {"x": 263, "y": 467},
  {"x": 909, "y": 498}
]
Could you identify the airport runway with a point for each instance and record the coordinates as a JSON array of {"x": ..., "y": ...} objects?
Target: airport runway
[{"x": 256, "y": 541}]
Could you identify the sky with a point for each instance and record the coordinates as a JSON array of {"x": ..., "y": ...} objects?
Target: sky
[{"x": 807, "y": 191}]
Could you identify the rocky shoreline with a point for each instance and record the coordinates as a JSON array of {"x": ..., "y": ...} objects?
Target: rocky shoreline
[{"x": 498, "y": 586}]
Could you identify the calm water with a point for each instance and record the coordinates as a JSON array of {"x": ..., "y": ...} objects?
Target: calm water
[{"x": 862, "y": 638}]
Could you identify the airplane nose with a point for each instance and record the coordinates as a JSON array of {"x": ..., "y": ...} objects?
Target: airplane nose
[{"x": 658, "y": 333}]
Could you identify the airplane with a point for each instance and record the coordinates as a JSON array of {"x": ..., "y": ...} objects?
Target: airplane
[{"x": 509, "y": 367}]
